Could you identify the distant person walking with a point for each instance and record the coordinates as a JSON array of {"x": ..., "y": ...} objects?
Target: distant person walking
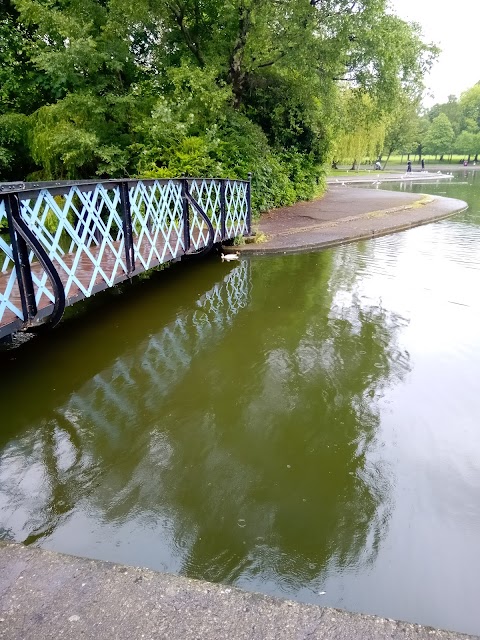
[
  {"x": 409, "y": 166},
  {"x": 423, "y": 164}
]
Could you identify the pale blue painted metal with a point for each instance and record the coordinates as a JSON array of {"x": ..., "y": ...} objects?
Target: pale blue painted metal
[
  {"x": 208, "y": 197},
  {"x": 157, "y": 215},
  {"x": 8, "y": 267},
  {"x": 77, "y": 216},
  {"x": 82, "y": 229},
  {"x": 237, "y": 208}
]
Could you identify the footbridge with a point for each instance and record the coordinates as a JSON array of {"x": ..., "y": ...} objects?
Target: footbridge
[{"x": 63, "y": 242}]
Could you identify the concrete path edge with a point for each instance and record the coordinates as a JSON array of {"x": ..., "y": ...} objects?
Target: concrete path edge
[
  {"x": 51, "y": 595},
  {"x": 369, "y": 223}
]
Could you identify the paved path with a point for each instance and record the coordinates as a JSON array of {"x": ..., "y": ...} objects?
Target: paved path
[
  {"x": 48, "y": 595},
  {"x": 347, "y": 213}
]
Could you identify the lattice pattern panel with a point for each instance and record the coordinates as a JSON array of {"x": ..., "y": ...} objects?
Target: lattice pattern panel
[
  {"x": 157, "y": 222},
  {"x": 208, "y": 195},
  {"x": 10, "y": 304},
  {"x": 236, "y": 218},
  {"x": 82, "y": 232},
  {"x": 81, "y": 229}
]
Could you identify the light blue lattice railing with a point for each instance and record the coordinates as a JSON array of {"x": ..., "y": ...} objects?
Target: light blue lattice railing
[
  {"x": 8, "y": 283},
  {"x": 157, "y": 222},
  {"x": 95, "y": 235}
]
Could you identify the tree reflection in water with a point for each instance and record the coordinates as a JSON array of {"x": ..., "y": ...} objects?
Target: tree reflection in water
[{"x": 232, "y": 445}]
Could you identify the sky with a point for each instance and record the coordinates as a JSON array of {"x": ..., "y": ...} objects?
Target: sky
[{"x": 455, "y": 27}]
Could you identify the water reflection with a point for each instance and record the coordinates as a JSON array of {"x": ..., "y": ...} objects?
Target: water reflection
[
  {"x": 65, "y": 448},
  {"x": 230, "y": 445},
  {"x": 308, "y": 426}
]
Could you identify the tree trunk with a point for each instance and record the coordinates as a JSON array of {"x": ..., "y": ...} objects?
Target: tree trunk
[
  {"x": 388, "y": 158},
  {"x": 236, "y": 74},
  {"x": 178, "y": 12}
]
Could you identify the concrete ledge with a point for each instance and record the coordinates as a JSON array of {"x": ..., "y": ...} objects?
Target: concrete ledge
[
  {"x": 49, "y": 595},
  {"x": 347, "y": 214}
]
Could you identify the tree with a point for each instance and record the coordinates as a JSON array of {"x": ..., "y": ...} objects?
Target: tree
[
  {"x": 114, "y": 88},
  {"x": 470, "y": 103},
  {"x": 360, "y": 127},
  {"x": 454, "y": 111},
  {"x": 440, "y": 136},
  {"x": 423, "y": 125},
  {"x": 22, "y": 90},
  {"x": 402, "y": 129},
  {"x": 467, "y": 144}
]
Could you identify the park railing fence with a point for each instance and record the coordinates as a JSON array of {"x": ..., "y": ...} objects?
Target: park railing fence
[{"x": 60, "y": 243}]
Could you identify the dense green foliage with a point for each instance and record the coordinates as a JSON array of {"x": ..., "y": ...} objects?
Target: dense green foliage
[
  {"x": 463, "y": 116},
  {"x": 116, "y": 88},
  {"x": 449, "y": 128}
]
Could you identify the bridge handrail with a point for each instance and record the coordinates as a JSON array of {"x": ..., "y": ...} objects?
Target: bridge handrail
[
  {"x": 94, "y": 234},
  {"x": 60, "y": 187}
]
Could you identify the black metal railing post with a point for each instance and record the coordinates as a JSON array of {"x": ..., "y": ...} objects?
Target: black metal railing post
[
  {"x": 249, "y": 204},
  {"x": 21, "y": 259},
  {"x": 223, "y": 209},
  {"x": 186, "y": 218},
  {"x": 127, "y": 227},
  {"x": 22, "y": 231},
  {"x": 211, "y": 231}
]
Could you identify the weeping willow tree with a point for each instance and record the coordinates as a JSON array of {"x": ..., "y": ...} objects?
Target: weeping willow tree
[{"x": 361, "y": 128}]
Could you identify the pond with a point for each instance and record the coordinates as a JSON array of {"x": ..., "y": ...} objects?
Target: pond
[{"x": 302, "y": 425}]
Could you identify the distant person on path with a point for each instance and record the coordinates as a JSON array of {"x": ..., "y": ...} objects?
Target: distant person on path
[
  {"x": 423, "y": 164},
  {"x": 409, "y": 166},
  {"x": 465, "y": 163},
  {"x": 378, "y": 166}
]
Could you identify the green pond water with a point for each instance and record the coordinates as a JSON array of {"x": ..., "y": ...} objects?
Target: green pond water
[{"x": 304, "y": 425}]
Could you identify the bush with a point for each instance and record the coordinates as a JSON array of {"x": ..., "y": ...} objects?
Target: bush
[{"x": 231, "y": 150}]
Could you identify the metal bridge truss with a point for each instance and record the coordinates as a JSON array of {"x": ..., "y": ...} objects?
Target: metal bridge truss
[{"x": 65, "y": 243}]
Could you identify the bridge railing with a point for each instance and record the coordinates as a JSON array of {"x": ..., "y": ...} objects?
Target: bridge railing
[{"x": 60, "y": 244}]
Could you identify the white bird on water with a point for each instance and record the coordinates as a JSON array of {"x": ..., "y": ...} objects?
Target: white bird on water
[{"x": 230, "y": 256}]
